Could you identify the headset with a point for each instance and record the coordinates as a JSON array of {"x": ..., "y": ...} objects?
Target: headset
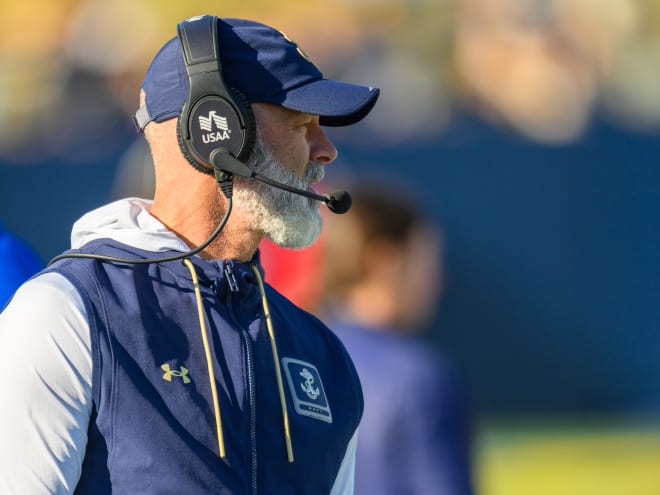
[
  {"x": 216, "y": 122},
  {"x": 216, "y": 127}
]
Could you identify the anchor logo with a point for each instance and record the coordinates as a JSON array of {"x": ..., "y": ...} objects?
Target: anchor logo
[{"x": 308, "y": 385}]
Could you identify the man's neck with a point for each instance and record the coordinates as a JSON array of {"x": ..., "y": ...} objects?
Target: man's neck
[{"x": 195, "y": 220}]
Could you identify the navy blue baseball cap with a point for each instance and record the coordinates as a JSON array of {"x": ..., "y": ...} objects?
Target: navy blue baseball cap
[{"x": 263, "y": 64}]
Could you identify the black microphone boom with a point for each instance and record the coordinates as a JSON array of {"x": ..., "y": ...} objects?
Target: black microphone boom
[{"x": 337, "y": 202}]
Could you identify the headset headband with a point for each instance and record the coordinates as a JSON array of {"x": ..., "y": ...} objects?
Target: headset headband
[{"x": 214, "y": 116}]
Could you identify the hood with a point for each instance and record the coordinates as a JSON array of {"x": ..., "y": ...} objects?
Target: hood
[{"x": 126, "y": 221}]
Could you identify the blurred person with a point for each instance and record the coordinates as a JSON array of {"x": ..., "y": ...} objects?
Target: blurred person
[
  {"x": 142, "y": 365},
  {"x": 518, "y": 69},
  {"x": 383, "y": 271},
  {"x": 18, "y": 262},
  {"x": 384, "y": 279}
]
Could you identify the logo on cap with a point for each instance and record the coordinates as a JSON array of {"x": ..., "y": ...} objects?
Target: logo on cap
[
  {"x": 300, "y": 51},
  {"x": 206, "y": 124}
]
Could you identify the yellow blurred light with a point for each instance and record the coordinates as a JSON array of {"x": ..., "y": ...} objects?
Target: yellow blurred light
[{"x": 33, "y": 28}]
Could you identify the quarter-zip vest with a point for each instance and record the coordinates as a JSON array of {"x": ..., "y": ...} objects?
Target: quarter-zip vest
[{"x": 152, "y": 429}]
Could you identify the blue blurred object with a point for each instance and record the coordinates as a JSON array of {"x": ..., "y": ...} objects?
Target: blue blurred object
[
  {"x": 18, "y": 262},
  {"x": 416, "y": 432}
]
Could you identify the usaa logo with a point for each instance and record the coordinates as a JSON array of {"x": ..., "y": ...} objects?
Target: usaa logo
[{"x": 214, "y": 120}]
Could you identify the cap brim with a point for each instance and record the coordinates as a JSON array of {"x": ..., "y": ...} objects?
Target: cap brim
[{"x": 336, "y": 103}]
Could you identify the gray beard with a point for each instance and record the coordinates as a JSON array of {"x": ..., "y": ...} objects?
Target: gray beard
[{"x": 287, "y": 219}]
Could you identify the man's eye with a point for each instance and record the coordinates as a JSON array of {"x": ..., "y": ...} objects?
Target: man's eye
[{"x": 303, "y": 126}]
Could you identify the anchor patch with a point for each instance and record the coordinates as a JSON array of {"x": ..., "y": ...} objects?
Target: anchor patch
[{"x": 306, "y": 389}]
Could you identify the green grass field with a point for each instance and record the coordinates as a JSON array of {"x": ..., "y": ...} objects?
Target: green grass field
[{"x": 568, "y": 456}]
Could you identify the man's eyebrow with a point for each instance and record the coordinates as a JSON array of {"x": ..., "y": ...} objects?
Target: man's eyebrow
[{"x": 298, "y": 118}]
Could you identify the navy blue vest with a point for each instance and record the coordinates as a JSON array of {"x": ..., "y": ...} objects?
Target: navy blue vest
[{"x": 152, "y": 429}]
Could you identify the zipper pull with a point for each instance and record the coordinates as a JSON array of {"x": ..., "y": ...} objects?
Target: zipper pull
[{"x": 231, "y": 278}]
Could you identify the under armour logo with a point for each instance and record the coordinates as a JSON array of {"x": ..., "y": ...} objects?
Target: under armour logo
[{"x": 169, "y": 373}]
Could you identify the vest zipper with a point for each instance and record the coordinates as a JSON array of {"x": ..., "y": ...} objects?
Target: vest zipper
[
  {"x": 249, "y": 356},
  {"x": 231, "y": 278},
  {"x": 253, "y": 409}
]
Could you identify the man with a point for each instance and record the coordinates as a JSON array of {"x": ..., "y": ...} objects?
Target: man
[{"x": 138, "y": 367}]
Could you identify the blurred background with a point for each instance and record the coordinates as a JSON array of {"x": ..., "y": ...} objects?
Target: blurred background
[{"x": 528, "y": 129}]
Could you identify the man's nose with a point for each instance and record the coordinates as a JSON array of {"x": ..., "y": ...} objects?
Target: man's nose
[{"x": 321, "y": 148}]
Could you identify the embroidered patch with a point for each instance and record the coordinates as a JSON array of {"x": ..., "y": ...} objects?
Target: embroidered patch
[{"x": 306, "y": 389}]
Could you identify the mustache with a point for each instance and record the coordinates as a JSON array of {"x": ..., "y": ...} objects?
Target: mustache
[
  {"x": 263, "y": 162},
  {"x": 314, "y": 172}
]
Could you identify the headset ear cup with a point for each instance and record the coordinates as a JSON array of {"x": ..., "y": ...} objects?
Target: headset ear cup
[
  {"x": 184, "y": 150},
  {"x": 250, "y": 133},
  {"x": 242, "y": 111},
  {"x": 214, "y": 117}
]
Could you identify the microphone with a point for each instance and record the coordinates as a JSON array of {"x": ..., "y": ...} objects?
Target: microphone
[{"x": 337, "y": 202}]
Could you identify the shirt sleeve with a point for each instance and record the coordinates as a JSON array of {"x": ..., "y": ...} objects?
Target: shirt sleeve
[
  {"x": 46, "y": 367},
  {"x": 345, "y": 480}
]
